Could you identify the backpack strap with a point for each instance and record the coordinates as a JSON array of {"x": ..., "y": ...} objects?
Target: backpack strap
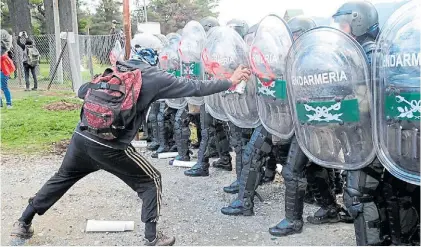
[{"x": 108, "y": 86}]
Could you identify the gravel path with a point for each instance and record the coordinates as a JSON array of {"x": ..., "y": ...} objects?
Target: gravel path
[{"x": 191, "y": 209}]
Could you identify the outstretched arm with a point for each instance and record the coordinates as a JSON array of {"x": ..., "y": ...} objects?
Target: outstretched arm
[{"x": 170, "y": 86}]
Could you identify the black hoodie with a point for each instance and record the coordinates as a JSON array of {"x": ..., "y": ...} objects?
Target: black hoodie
[{"x": 156, "y": 84}]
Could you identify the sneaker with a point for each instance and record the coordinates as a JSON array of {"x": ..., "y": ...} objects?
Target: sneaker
[
  {"x": 22, "y": 230},
  {"x": 161, "y": 240},
  {"x": 34, "y": 89},
  {"x": 9, "y": 106},
  {"x": 27, "y": 89}
]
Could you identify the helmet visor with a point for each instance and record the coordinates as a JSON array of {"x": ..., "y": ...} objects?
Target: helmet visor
[
  {"x": 343, "y": 22},
  {"x": 239, "y": 29}
]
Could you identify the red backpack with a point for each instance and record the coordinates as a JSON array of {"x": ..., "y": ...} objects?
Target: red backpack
[
  {"x": 110, "y": 103},
  {"x": 7, "y": 66}
]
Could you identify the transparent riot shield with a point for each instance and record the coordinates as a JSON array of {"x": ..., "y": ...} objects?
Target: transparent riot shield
[
  {"x": 213, "y": 102},
  {"x": 268, "y": 54},
  {"x": 222, "y": 55},
  {"x": 396, "y": 94},
  {"x": 170, "y": 61},
  {"x": 189, "y": 50},
  {"x": 328, "y": 81}
]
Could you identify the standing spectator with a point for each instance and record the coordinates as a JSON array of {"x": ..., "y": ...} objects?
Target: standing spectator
[
  {"x": 30, "y": 59},
  {"x": 114, "y": 29},
  {"x": 7, "y": 66}
]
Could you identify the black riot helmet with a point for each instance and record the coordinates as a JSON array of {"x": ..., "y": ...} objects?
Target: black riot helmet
[
  {"x": 361, "y": 17},
  {"x": 248, "y": 38},
  {"x": 300, "y": 24},
  {"x": 209, "y": 22},
  {"x": 240, "y": 26}
]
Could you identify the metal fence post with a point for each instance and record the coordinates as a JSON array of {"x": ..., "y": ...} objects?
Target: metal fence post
[
  {"x": 74, "y": 60},
  {"x": 89, "y": 54}
]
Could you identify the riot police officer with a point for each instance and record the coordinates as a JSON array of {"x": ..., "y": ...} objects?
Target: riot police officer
[
  {"x": 239, "y": 136},
  {"x": 260, "y": 147},
  {"x": 213, "y": 134},
  {"x": 382, "y": 205}
]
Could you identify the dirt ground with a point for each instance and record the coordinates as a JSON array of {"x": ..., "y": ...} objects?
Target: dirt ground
[
  {"x": 62, "y": 106},
  {"x": 191, "y": 209}
]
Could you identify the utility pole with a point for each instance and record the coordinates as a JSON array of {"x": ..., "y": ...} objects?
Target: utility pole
[
  {"x": 74, "y": 48},
  {"x": 127, "y": 27},
  {"x": 146, "y": 12},
  {"x": 57, "y": 40}
]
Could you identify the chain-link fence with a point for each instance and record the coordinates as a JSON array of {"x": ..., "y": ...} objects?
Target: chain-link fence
[
  {"x": 95, "y": 53},
  {"x": 94, "y": 57}
]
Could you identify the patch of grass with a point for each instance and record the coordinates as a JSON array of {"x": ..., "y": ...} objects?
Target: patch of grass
[
  {"x": 44, "y": 77},
  {"x": 44, "y": 71},
  {"x": 30, "y": 128}
]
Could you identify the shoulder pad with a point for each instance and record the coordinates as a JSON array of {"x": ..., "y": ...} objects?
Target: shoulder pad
[{"x": 369, "y": 46}]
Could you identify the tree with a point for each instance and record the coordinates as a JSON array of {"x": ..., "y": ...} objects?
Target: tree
[
  {"x": 174, "y": 14},
  {"x": 65, "y": 13},
  {"x": 20, "y": 16},
  {"x": 207, "y": 7},
  {"x": 106, "y": 12},
  {"x": 49, "y": 16},
  {"x": 38, "y": 17}
]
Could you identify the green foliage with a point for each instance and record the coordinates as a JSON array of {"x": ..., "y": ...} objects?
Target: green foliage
[
  {"x": 174, "y": 14},
  {"x": 107, "y": 11},
  {"x": 6, "y": 22},
  {"x": 28, "y": 127}
]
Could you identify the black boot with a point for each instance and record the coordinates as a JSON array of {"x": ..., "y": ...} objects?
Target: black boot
[
  {"x": 201, "y": 168},
  {"x": 232, "y": 188},
  {"x": 239, "y": 139},
  {"x": 325, "y": 215},
  {"x": 295, "y": 189},
  {"x": 293, "y": 222},
  {"x": 223, "y": 148},
  {"x": 161, "y": 149},
  {"x": 198, "y": 170},
  {"x": 223, "y": 163},
  {"x": 237, "y": 208},
  {"x": 321, "y": 182},
  {"x": 181, "y": 158},
  {"x": 287, "y": 227}
]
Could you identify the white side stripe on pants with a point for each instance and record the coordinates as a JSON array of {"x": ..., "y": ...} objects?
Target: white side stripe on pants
[{"x": 150, "y": 171}]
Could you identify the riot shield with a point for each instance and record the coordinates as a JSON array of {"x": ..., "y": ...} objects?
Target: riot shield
[
  {"x": 268, "y": 55},
  {"x": 396, "y": 94},
  {"x": 224, "y": 52},
  {"x": 162, "y": 38},
  {"x": 328, "y": 82},
  {"x": 213, "y": 102},
  {"x": 169, "y": 61},
  {"x": 189, "y": 50}
]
